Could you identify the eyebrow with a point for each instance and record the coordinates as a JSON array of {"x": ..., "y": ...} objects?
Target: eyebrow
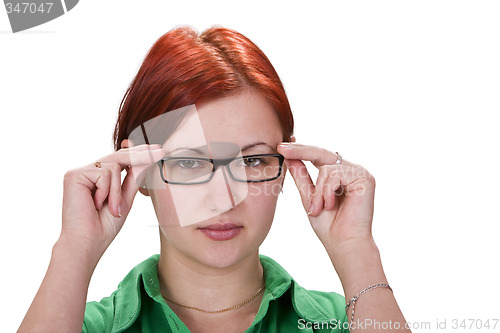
[
  {"x": 196, "y": 150},
  {"x": 244, "y": 148},
  {"x": 204, "y": 151}
]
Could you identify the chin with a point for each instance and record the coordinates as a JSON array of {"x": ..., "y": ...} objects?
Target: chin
[
  {"x": 215, "y": 254},
  {"x": 221, "y": 257}
]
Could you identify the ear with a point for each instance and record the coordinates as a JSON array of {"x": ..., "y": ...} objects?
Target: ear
[
  {"x": 292, "y": 139},
  {"x": 144, "y": 191},
  {"x": 284, "y": 174},
  {"x": 127, "y": 144}
]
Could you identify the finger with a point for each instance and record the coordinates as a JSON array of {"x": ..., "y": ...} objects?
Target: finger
[
  {"x": 129, "y": 190},
  {"x": 353, "y": 179},
  {"x": 302, "y": 180},
  {"x": 317, "y": 200},
  {"x": 350, "y": 180},
  {"x": 330, "y": 190},
  {"x": 101, "y": 179},
  {"x": 115, "y": 188},
  {"x": 109, "y": 186},
  {"x": 140, "y": 155},
  {"x": 137, "y": 160},
  {"x": 318, "y": 156},
  {"x": 106, "y": 181},
  {"x": 142, "y": 147}
]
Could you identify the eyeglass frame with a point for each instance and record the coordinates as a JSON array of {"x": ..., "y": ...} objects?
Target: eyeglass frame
[{"x": 218, "y": 162}]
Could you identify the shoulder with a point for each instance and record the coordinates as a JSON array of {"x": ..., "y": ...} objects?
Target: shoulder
[
  {"x": 122, "y": 307},
  {"x": 314, "y": 305}
]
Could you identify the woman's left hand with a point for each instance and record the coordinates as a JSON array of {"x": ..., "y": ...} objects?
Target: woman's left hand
[{"x": 340, "y": 203}]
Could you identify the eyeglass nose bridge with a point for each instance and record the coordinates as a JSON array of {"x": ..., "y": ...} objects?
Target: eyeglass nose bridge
[
  {"x": 223, "y": 162},
  {"x": 217, "y": 163}
]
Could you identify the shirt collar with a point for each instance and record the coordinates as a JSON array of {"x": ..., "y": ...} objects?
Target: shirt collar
[
  {"x": 144, "y": 277},
  {"x": 278, "y": 281}
]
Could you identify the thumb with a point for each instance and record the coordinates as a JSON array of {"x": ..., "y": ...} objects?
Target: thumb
[
  {"x": 129, "y": 190},
  {"x": 302, "y": 179}
]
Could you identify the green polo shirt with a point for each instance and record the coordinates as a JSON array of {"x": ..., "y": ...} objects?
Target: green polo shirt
[{"x": 138, "y": 306}]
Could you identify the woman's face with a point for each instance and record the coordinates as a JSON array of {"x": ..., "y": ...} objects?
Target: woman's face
[{"x": 220, "y": 222}]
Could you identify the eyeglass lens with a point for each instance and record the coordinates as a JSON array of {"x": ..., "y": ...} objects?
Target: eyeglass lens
[{"x": 196, "y": 170}]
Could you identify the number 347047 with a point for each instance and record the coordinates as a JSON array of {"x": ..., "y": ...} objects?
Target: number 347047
[
  {"x": 28, "y": 7},
  {"x": 475, "y": 324}
]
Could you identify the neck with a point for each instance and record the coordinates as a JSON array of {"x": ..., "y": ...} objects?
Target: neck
[{"x": 193, "y": 283}]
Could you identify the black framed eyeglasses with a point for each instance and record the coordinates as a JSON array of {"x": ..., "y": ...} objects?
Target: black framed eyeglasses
[{"x": 196, "y": 170}]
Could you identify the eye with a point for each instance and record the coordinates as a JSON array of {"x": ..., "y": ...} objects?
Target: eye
[
  {"x": 188, "y": 164},
  {"x": 252, "y": 161}
]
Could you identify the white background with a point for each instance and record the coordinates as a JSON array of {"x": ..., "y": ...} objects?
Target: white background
[{"x": 408, "y": 89}]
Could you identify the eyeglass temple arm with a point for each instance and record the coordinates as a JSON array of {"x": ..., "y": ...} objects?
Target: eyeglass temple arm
[{"x": 147, "y": 142}]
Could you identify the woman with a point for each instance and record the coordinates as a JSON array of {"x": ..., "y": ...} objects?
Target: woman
[{"x": 206, "y": 130}]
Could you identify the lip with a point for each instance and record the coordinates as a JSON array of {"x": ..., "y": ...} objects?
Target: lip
[
  {"x": 221, "y": 231},
  {"x": 220, "y": 226}
]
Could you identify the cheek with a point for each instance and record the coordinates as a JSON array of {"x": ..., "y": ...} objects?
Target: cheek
[
  {"x": 180, "y": 206},
  {"x": 263, "y": 198},
  {"x": 164, "y": 207},
  {"x": 265, "y": 192},
  {"x": 175, "y": 205}
]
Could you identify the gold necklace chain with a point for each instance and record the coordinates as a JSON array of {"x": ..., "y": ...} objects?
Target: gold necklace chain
[{"x": 217, "y": 311}]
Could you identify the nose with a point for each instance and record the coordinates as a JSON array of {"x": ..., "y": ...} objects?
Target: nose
[{"x": 224, "y": 193}]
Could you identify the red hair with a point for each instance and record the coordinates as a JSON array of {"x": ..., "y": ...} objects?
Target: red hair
[{"x": 184, "y": 68}]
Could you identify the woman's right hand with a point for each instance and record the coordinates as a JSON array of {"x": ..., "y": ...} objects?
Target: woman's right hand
[{"x": 96, "y": 203}]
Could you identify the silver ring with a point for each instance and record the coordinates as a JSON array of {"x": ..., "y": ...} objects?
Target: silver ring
[{"x": 339, "y": 158}]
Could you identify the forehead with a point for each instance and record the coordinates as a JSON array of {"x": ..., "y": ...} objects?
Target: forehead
[{"x": 242, "y": 119}]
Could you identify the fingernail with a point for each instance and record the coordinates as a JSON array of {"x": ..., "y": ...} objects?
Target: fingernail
[
  {"x": 309, "y": 206},
  {"x": 121, "y": 207},
  {"x": 285, "y": 145},
  {"x": 310, "y": 210}
]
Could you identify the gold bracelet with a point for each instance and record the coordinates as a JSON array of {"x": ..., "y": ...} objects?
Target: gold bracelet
[{"x": 355, "y": 298}]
